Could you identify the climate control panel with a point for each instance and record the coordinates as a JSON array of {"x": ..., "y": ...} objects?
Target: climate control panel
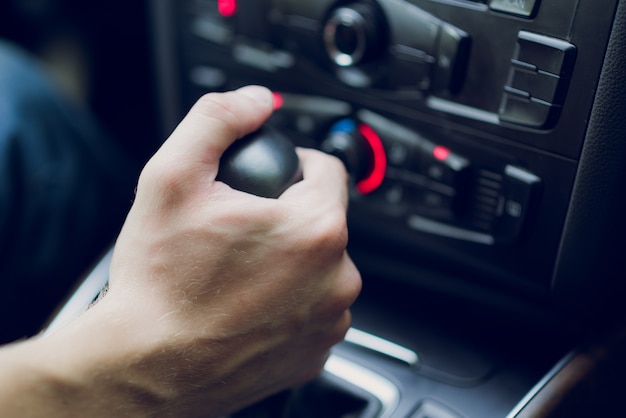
[{"x": 401, "y": 173}]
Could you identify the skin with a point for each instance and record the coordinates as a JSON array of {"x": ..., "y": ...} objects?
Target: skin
[{"x": 217, "y": 298}]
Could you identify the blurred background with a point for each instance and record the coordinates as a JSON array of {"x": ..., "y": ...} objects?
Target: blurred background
[{"x": 99, "y": 54}]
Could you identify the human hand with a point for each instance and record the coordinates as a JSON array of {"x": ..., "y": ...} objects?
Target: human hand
[{"x": 217, "y": 298}]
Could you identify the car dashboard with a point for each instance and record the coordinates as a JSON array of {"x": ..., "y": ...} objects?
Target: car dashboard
[
  {"x": 462, "y": 122},
  {"x": 484, "y": 143}
]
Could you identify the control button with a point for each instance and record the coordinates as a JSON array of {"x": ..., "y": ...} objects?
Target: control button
[
  {"x": 412, "y": 27},
  {"x": 516, "y": 92},
  {"x": 392, "y": 198},
  {"x": 452, "y": 55},
  {"x": 543, "y": 86},
  {"x": 437, "y": 204},
  {"x": 410, "y": 68},
  {"x": 227, "y": 8},
  {"x": 446, "y": 177},
  {"x": 394, "y": 193},
  {"x": 548, "y": 54},
  {"x": 262, "y": 56},
  {"x": 538, "y": 81},
  {"x": 213, "y": 29},
  {"x": 311, "y": 116},
  {"x": 401, "y": 144},
  {"x": 439, "y": 164},
  {"x": 524, "y": 8},
  {"x": 518, "y": 192},
  {"x": 353, "y": 34},
  {"x": 484, "y": 200},
  {"x": 528, "y": 111},
  {"x": 521, "y": 65},
  {"x": 443, "y": 229},
  {"x": 346, "y": 143},
  {"x": 399, "y": 155},
  {"x": 208, "y": 77}
]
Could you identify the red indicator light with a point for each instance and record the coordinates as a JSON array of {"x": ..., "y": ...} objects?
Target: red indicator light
[
  {"x": 227, "y": 8},
  {"x": 375, "y": 178},
  {"x": 441, "y": 153},
  {"x": 279, "y": 100}
]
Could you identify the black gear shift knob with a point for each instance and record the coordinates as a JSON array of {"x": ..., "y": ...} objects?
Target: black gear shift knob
[{"x": 263, "y": 163}]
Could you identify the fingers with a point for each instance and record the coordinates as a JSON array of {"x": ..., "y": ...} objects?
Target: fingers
[
  {"x": 324, "y": 179},
  {"x": 216, "y": 121}
]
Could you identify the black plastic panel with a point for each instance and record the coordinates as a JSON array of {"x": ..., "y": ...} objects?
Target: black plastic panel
[{"x": 454, "y": 78}]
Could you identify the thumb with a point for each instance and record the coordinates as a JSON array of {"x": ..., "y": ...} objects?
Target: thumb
[{"x": 214, "y": 122}]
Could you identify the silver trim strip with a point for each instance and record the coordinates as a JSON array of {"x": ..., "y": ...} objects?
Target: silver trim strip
[
  {"x": 447, "y": 106},
  {"x": 521, "y": 174},
  {"x": 84, "y": 295},
  {"x": 437, "y": 228},
  {"x": 380, "y": 345},
  {"x": 540, "y": 385},
  {"x": 385, "y": 391}
]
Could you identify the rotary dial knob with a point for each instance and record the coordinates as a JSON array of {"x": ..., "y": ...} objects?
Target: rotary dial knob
[
  {"x": 361, "y": 151},
  {"x": 354, "y": 34}
]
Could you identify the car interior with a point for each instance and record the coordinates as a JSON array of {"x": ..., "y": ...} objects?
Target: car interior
[{"x": 485, "y": 142}]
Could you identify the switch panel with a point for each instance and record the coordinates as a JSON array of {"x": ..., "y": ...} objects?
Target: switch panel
[{"x": 538, "y": 81}]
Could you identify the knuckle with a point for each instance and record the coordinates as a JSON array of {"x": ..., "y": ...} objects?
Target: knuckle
[
  {"x": 352, "y": 284},
  {"x": 330, "y": 232},
  {"x": 341, "y": 291},
  {"x": 346, "y": 289},
  {"x": 156, "y": 174},
  {"x": 163, "y": 180}
]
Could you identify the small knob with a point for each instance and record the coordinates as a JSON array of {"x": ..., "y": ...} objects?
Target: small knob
[
  {"x": 346, "y": 143},
  {"x": 361, "y": 150},
  {"x": 263, "y": 163},
  {"x": 353, "y": 33}
]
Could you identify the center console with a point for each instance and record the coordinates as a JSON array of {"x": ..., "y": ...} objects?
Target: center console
[
  {"x": 463, "y": 120},
  {"x": 465, "y": 127}
]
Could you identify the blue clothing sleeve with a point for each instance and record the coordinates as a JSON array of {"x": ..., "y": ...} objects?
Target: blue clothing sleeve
[{"x": 65, "y": 188}]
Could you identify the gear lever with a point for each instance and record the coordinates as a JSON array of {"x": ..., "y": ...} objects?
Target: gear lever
[{"x": 263, "y": 163}]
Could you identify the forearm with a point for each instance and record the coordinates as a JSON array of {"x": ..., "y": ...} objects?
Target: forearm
[
  {"x": 79, "y": 371},
  {"x": 128, "y": 357}
]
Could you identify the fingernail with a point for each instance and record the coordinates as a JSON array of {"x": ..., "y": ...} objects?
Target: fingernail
[{"x": 258, "y": 93}]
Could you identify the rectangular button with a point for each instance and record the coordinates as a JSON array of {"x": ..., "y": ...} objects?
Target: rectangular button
[
  {"x": 524, "y": 8},
  {"x": 452, "y": 56},
  {"x": 541, "y": 86},
  {"x": 548, "y": 54},
  {"x": 392, "y": 194},
  {"x": 410, "y": 69},
  {"x": 439, "y": 164},
  {"x": 529, "y": 112},
  {"x": 436, "y": 205},
  {"x": 519, "y": 189}
]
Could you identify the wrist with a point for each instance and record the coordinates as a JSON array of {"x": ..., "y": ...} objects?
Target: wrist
[{"x": 84, "y": 369}]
